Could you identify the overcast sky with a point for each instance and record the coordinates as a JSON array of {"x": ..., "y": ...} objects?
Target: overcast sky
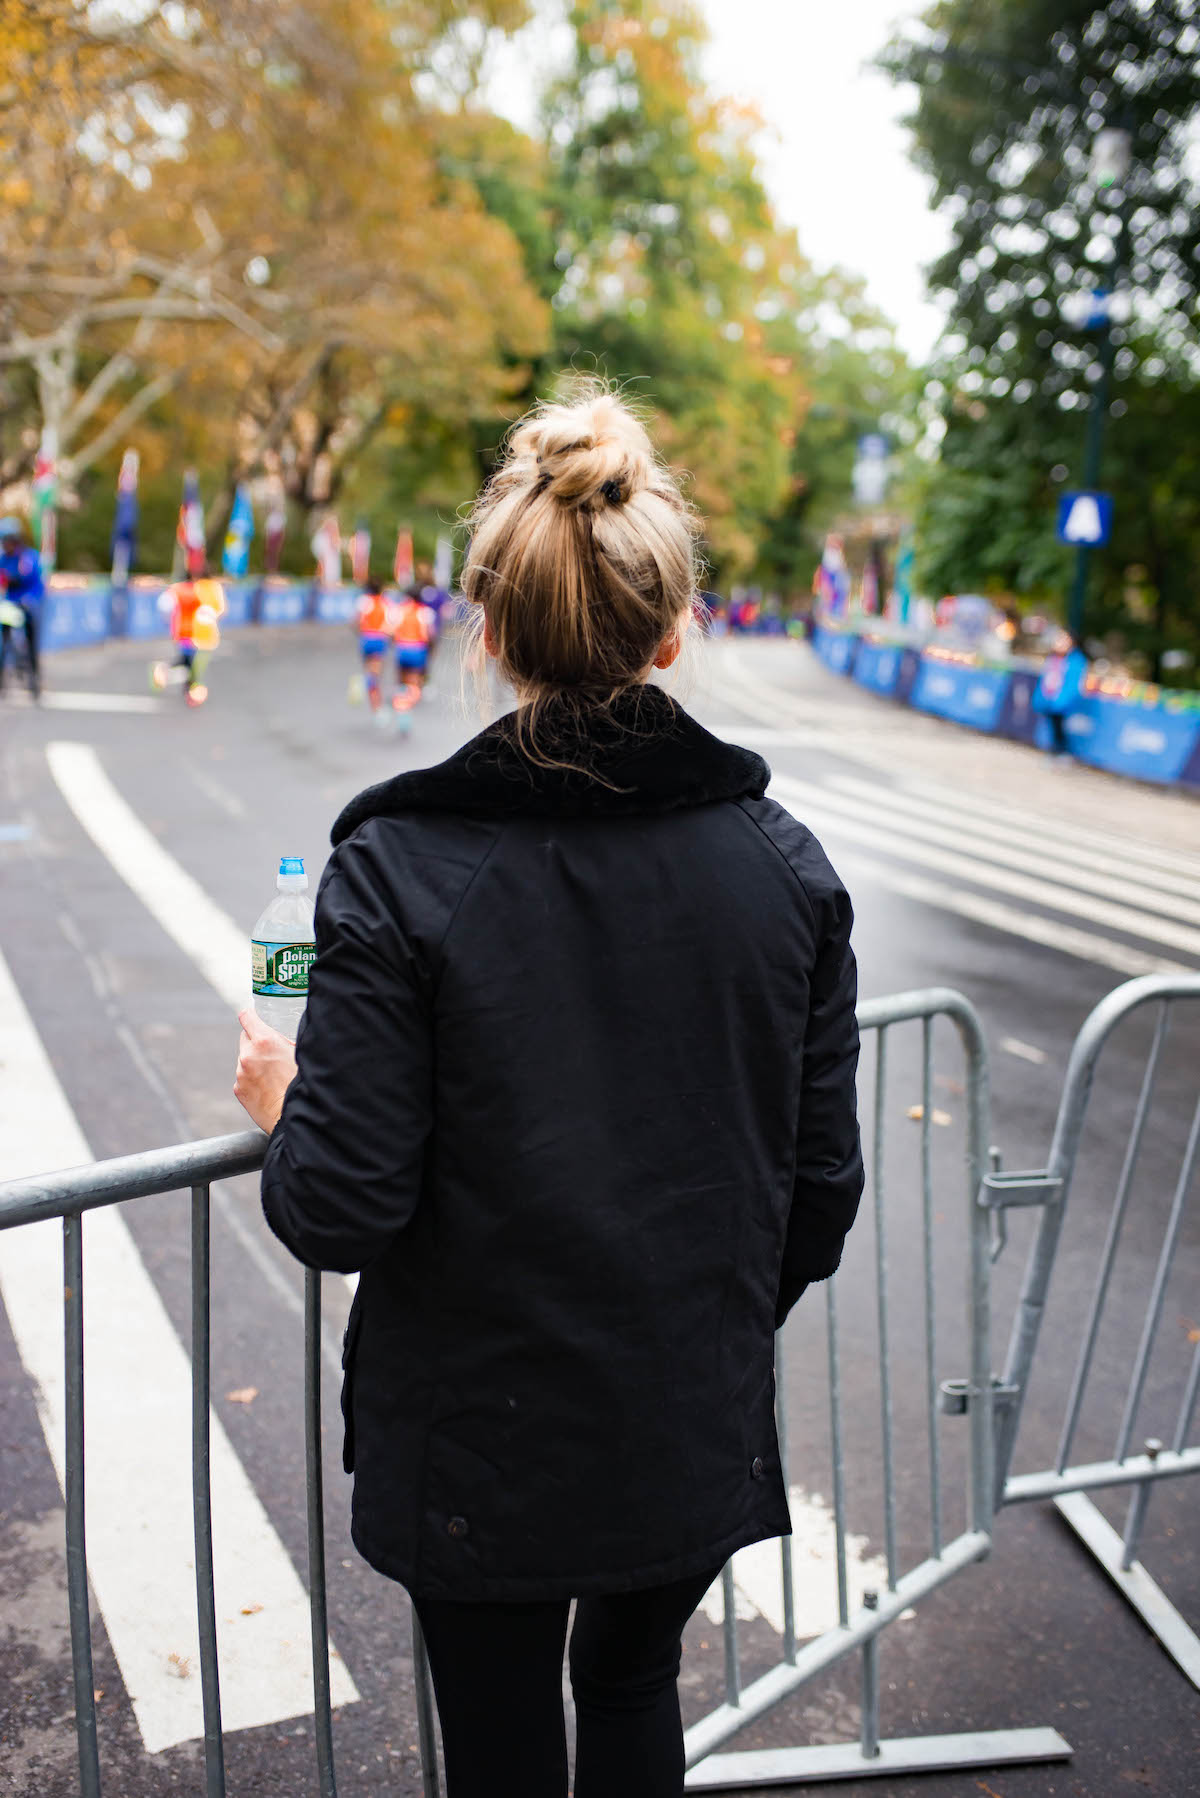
[{"x": 834, "y": 152}]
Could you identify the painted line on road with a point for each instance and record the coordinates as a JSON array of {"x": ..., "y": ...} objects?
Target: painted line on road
[
  {"x": 58, "y": 701},
  {"x": 880, "y": 809},
  {"x": 758, "y": 1586},
  {"x": 207, "y": 935},
  {"x": 1012, "y": 1045},
  {"x": 1039, "y": 837},
  {"x": 812, "y": 801},
  {"x": 178, "y": 903},
  {"x": 1031, "y": 927},
  {"x": 1058, "y": 829},
  {"x": 139, "y": 1515},
  {"x": 220, "y": 795},
  {"x": 100, "y": 702},
  {"x": 774, "y": 706}
]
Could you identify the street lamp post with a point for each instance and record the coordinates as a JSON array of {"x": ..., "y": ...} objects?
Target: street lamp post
[{"x": 1111, "y": 154}]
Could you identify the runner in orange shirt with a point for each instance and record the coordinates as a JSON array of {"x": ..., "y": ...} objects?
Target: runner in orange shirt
[
  {"x": 373, "y": 616},
  {"x": 194, "y": 606},
  {"x": 413, "y": 627}
]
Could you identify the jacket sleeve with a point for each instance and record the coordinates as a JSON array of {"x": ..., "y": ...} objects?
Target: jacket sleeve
[
  {"x": 343, "y": 1167},
  {"x": 829, "y": 1168}
]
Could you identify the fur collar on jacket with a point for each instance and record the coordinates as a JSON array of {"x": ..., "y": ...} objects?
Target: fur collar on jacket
[{"x": 650, "y": 755}]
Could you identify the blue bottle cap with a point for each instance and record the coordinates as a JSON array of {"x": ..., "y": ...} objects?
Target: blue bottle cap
[{"x": 291, "y": 864}]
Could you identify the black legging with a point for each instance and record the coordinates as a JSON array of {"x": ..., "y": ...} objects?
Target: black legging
[{"x": 497, "y": 1672}]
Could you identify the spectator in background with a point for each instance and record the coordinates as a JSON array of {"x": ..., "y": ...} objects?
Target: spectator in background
[
  {"x": 1058, "y": 690},
  {"x": 23, "y": 586}
]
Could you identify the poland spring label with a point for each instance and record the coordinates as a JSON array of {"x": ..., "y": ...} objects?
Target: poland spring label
[{"x": 281, "y": 969}]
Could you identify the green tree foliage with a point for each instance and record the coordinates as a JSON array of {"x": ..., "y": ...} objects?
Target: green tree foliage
[
  {"x": 1011, "y": 97},
  {"x": 251, "y": 251},
  {"x": 293, "y": 238},
  {"x": 675, "y": 276}
]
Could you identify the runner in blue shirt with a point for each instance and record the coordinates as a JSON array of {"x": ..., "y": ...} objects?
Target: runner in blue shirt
[{"x": 22, "y": 586}]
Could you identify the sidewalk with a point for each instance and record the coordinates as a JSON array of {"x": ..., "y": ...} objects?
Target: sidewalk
[{"x": 784, "y": 685}]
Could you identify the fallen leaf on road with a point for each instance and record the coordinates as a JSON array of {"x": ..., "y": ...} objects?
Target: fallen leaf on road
[
  {"x": 98, "y": 1694},
  {"x": 917, "y": 1112},
  {"x": 180, "y": 1665},
  {"x": 251, "y": 1610},
  {"x": 242, "y": 1395}
]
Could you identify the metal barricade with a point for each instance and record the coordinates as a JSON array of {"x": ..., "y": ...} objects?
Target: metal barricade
[
  {"x": 69, "y": 1195},
  {"x": 992, "y": 1407},
  {"x": 859, "y": 1628},
  {"x": 1172, "y": 1455}
]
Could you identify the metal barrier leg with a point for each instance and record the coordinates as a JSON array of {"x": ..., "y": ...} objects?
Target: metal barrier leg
[
  {"x": 835, "y": 1447},
  {"x": 426, "y": 1725},
  {"x": 206, "y": 1604},
  {"x": 77, "y": 1575},
  {"x": 870, "y": 1687},
  {"x": 786, "y": 1572},
  {"x": 315, "y": 1485},
  {"x": 733, "y": 1669},
  {"x": 881, "y": 1310},
  {"x": 1144, "y": 1594}
]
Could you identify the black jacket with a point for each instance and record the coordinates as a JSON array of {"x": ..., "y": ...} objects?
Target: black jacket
[{"x": 576, "y": 1094}]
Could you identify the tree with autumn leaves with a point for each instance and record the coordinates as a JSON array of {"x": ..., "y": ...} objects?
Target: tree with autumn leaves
[{"x": 294, "y": 237}]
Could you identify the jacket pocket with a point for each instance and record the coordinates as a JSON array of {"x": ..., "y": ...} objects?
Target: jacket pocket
[{"x": 349, "y": 1355}]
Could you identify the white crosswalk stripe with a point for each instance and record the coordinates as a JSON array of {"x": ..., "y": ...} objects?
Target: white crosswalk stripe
[
  {"x": 987, "y": 850},
  {"x": 1041, "y": 862},
  {"x": 809, "y": 801},
  {"x": 1040, "y": 838},
  {"x": 207, "y": 935},
  {"x": 139, "y": 1518},
  {"x": 1057, "y": 829}
]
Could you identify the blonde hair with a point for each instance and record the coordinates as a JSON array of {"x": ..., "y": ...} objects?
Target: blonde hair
[{"x": 582, "y": 557}]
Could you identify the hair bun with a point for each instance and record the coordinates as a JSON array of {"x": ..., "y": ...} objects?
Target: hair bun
[{"x": 591, "y": 453}]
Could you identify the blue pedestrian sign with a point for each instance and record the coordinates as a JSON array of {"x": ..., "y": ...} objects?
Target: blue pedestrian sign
[{"x": 1085, "y": 518}]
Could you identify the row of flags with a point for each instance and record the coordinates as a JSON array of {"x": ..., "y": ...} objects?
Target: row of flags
[{"x": 191, "y": 543}]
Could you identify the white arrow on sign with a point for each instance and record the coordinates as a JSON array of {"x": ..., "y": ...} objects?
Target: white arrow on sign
[{"x": 1084, "y": 524}]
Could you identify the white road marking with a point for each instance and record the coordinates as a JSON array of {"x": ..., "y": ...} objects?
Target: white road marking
[
  {"x": 758, "y": 1572},
  {"x": 1041, "y": 846},
  {"x": 207, "y": 935},
  {"x": 769, "y": 736},
  {"x": 100, "y": 702},
  {"x": 1031, "y": 927},
  {"x": 952, "y": 835},
  {"x": 179, "y": 904},
  {"x": 139, "y": 1522},
  {"x": 805, "y": 800},
  {"x": 850, "y": 727},
  {"x": 220, "y": 795},
  {"x": 1060, "y": 830},
  {"x": 1012, "y": 1045}
]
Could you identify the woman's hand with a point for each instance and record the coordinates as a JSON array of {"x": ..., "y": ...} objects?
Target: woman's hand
[{"x": 266, "y": 1068}]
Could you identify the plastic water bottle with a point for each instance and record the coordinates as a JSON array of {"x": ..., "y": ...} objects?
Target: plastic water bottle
[{"x": 283, "y": 949}]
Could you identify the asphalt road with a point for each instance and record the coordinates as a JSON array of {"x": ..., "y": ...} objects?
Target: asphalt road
[{"x": 1033, "y": 889}]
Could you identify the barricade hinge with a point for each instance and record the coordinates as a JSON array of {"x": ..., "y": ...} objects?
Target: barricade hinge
[
  {"x": 954, "y": 1396},
  {"x": 1035, "y": 1186}
]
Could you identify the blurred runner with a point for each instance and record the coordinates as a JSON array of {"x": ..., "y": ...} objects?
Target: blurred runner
[
  {"x": 22, "y": 591},
  {"x": 413, "y": 628},
  {"x": 195, "y": 606},
  {"x": 373, "y": 617}
]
